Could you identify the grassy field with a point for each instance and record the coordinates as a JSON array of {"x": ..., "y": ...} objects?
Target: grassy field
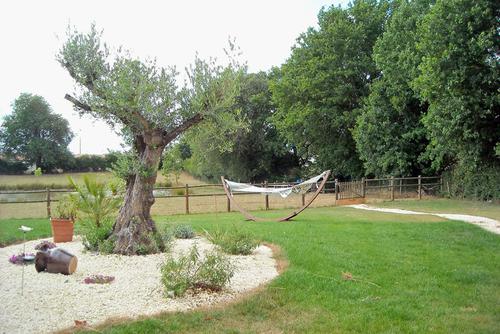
[
  {"x": 62, "y": 179},
  {"x": 51, "y": 179},
  {"x": 414, "y": 274}
]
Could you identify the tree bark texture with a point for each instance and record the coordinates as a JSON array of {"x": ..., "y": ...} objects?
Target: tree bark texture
[{"x": 134, "y": 227}]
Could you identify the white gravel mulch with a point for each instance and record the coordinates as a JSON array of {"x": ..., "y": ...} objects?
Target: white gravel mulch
[
  {"x": 488, "y": 224},
  {"x": 54, "y": 301}
]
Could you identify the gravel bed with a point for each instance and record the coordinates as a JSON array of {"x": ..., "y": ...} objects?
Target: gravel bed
[
  {"x": 52, "y": 302},
  {"x": 486, "y": 223}
]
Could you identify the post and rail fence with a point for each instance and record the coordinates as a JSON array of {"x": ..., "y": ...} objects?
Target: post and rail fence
[{"x": 201, "y": 198}]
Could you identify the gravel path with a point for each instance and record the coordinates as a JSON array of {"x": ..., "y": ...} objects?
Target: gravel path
[
  {"x": 486, "y": 223},
  {"x": 54, "y": 301}
]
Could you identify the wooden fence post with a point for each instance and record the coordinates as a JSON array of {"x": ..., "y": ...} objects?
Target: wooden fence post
[
  {"x": 401, "y": 186},
  {"x": 336, "y": 189},
  {"x": 48, "y": 203},
  {"x": 303, "y": 199},
  {"x": 187, "y": 198},
  {"x": 363, "y": 190},
  {"x": 441, "y": 184},
  {"x": 392, "y": 188},
  {"x": 419, "y": 187},
  {"x": 266, "y": 197},
  {"x": 228, "y": 204}
]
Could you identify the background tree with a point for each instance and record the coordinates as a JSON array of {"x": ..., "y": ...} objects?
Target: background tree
[
  {"x": 257, "y": 151},
  {"x": 459, "y": 78},
  {"x": 390, "y": 137},
  {"x": 34, "y": 133},
  {"x": 172, "y": 163},
  {"x": 145, "y": 100},
  {"x": 320, "y": 87}
]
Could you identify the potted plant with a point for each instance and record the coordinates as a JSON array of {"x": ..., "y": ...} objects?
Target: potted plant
[{"x": 63, "y": 223}]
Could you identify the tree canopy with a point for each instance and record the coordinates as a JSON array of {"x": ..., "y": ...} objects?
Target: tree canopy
[
  {"x": 35, "y": 134},
  {"x": 459, "y": 78},
  {"x": 145, "y": 100},
  {"x": 390, "y": 137},
  {"x": 256, "y": 152},
  {"x": 321, "y": 86}
]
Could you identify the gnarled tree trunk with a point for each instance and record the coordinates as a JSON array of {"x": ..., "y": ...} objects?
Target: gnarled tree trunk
[{"x": 134, "y": 228}]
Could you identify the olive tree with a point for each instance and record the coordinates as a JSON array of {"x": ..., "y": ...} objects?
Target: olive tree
[{"x": 145, "y": 101}]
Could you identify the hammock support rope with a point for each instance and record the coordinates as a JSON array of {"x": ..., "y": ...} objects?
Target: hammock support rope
[{"x": 281, "y": 191}]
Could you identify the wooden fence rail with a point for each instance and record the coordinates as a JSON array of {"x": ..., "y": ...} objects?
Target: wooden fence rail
[{"x": 389, "y": 188}]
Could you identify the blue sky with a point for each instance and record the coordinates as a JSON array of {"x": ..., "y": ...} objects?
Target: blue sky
[{"x": 172, "y": 31}]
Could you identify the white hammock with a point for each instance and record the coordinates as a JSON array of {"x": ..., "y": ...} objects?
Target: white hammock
[{"x": 284, "y": 192}]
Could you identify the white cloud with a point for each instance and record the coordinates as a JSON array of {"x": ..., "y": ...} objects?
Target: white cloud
[{"x": 171, "y": 31}]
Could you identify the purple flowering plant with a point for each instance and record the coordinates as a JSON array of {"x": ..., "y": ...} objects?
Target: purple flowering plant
[
  {"x": 98, "y": 279},
  {"x": 19, "y": 258},
  {"x": 45, "y": 245}
]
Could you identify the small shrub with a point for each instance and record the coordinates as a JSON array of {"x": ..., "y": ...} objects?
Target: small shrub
[
  {"x": 38, "y": 172},
  {"x": 152, "y": 243},
  {"x": 233, "y": 241},
  {"x": 96, "y": 211},
  {"x": 67, "y": 207},
  {"x": 45, "y": 245},
  {"x": 106, "y": 246},
  {"x": 93, "y": 235},
  {"x": 184, "y": 232},
  {"x": 164, "y": 184},
  {"x": 214, "y": 273},
  {"x": 116, "y": 186},
  {"x": 98, "y": 279},
  {"x": 192, "y": 272},
  {"x": 166, "y": 237},
  {"x": 179, "y": 192}
]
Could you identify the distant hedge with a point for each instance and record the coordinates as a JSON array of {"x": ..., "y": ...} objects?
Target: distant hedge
[
  {"x": 90, "y": 163},
  {"x": 12, "y": 167},
  {"x": 82, "y": 163}
]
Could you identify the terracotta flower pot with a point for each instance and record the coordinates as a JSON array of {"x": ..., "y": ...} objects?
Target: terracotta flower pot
[{"x": 62, "y": 229}]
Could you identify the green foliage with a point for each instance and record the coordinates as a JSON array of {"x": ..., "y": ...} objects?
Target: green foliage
[
  {"x": 107, "y": 245},
  {"x": 125, "y": 166},
  {"x": 140, "y": 95},
  {"x": 166, "y": 238},
  {"x": 320, "y": 87},
  {"x": 150, "y": 243},
  {"x": 10, "y": 166},
  {"x": 97, "y": 208},
  {"x": 38, "y": 172},
  {"x": 184, "y": 232},
  {"x": 172, "y": 163},
  {"x": 67, "y": 207},
  {"x": 459, "y": 79},
  {"x": 91, "y": 162},
  {"x": 255, "y": 151},
  {"x": 481, "y": 184},
  {"x": 116, "y": 187},
  {"x": 35, "y": 133},
  {"x": 390, "y": 137},
  {"x": 94, "y": 237},
  {"x": 191, "y": 271},
  {"x": 233, "y": 241},
  {"x": 95, "y": 203}
]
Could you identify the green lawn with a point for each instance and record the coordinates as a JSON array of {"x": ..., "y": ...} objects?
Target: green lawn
[{"x": 417, "y": 274}]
